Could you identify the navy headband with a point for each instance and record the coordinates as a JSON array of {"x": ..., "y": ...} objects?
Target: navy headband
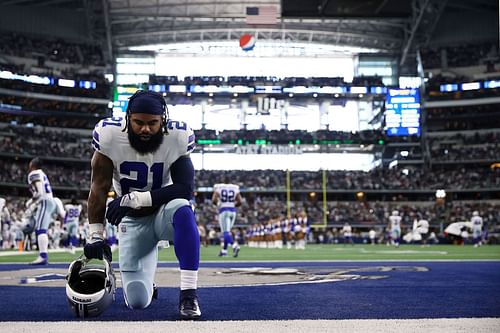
[{"x": 148, "y": 102}]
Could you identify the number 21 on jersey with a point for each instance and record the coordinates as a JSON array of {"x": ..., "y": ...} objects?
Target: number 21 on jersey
[{"x": 142, "y": 171}]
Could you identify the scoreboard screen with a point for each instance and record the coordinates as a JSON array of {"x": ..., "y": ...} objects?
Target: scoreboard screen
[{"x": 402, "y": 112}]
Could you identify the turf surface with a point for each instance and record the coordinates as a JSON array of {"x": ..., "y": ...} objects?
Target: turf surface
[
  {"x": 312, "y": 252},
  {"x": 444, "y": 290}
]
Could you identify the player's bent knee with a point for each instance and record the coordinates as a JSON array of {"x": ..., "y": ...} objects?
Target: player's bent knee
[
  {"x": 175, "y": 205},
  {"x": 137, "y": 295},
  {"x": 164, "y": 226}
]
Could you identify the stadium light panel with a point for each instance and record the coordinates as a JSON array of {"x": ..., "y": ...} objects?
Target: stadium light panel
[
  {"x": 491, "y": 84},
  {"x": 471, "y": 86},
  {"x": 66, "y": 83},
  {"x": 448, "y": 87}
]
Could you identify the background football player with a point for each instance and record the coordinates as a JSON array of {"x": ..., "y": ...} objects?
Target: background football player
[
  {"x": 72, "y": 221},
  {"x": 4, "y": 224},
  {"x": 227, "y": 197},
  {"x": 42, "y": 203},
  {"x": 347, "y": 231},
  {"x": 476, "y": 222},
  {"x": 395, "y": 227}
]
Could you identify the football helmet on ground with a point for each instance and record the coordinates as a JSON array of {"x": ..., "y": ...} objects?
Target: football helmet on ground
[{"x": 90, "y": 287}]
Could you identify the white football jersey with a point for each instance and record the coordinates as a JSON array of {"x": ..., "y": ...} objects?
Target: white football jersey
[
  {"x": 395, "y": 221},
  {"x": 455, "y": 228},
  {"x": 72, "y": 212},
  {"x": 39, "y": 175},
  {"x": 477, "y": 222},
  {"x": 133, "y": 171},
  {"x": 227, "y": 194},
  {"x": 347, "y": 230}
]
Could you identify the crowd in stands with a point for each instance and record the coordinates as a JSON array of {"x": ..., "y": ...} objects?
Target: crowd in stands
[
  {"x": 78, "y": 176},
  {"x": 49, "y": 120},
  {"x": 69, "y": 142},
  {"x": 363, "y": 216},
  {"x": 47, "y": 105},
  {"x": 464, "y": 124},
  {"x": 260, "y": 209},
  {"x": 482, "y": 110},
  {"x": 474, "y": 138},
  {"x": 475, "y": 117},
  {"x": 253, "y": 81},
  {"x": 460, "y": 55},
  {"x": 59, "y": 143},
  {"x": 448, "y": 152},
  {"x": 461, "y": 147},
  {"x": 289, "y": 136},
  {"x": 377, "y": 179},
  {"x": 56, "y": 50}
]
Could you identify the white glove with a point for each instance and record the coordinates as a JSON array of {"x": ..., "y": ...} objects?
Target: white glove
[{"x": 137, "y": 199}]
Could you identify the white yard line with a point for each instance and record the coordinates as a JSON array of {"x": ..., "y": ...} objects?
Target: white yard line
[{"x": 476, "y": 325}]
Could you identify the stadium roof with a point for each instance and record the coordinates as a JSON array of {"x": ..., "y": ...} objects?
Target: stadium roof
[{"x": 391, "y": 26}]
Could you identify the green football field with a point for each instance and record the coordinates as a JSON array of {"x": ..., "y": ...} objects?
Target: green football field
[{"x": 311, "y": 253}]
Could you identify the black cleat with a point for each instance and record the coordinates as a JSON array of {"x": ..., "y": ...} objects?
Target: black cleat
[
  {"x": 188, "y": 305},
  {"x": 236, "y": 251}
]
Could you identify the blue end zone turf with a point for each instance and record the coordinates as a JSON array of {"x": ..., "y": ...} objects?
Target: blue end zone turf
[{"x": 447, "y": 290}]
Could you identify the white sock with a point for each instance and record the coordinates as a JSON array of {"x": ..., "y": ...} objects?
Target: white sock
[
  {"x": 189, "y": 279},
  {"x": 43, "y": 243}
]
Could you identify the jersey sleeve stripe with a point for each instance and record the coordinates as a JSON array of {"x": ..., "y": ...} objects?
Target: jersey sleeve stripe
[
  {"x": 95, "y": 135},
  {"x": 34, "y": 178},
  {"x": 190, "y": 147},
  {"x": 96, "y": 145},
  {"x": 190, "y": 139}
]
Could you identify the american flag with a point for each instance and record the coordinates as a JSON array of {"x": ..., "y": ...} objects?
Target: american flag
[{"x": 262, "y": 15}]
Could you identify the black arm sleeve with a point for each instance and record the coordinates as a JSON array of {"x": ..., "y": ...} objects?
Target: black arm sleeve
[{"x": 182, "y": 173}]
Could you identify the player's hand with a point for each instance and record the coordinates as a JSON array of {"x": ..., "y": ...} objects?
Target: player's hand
[
  {"x": 96, "y": 248},
  {"x": 116, "y": 212},
  {"x": 119, "y": 207}
]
